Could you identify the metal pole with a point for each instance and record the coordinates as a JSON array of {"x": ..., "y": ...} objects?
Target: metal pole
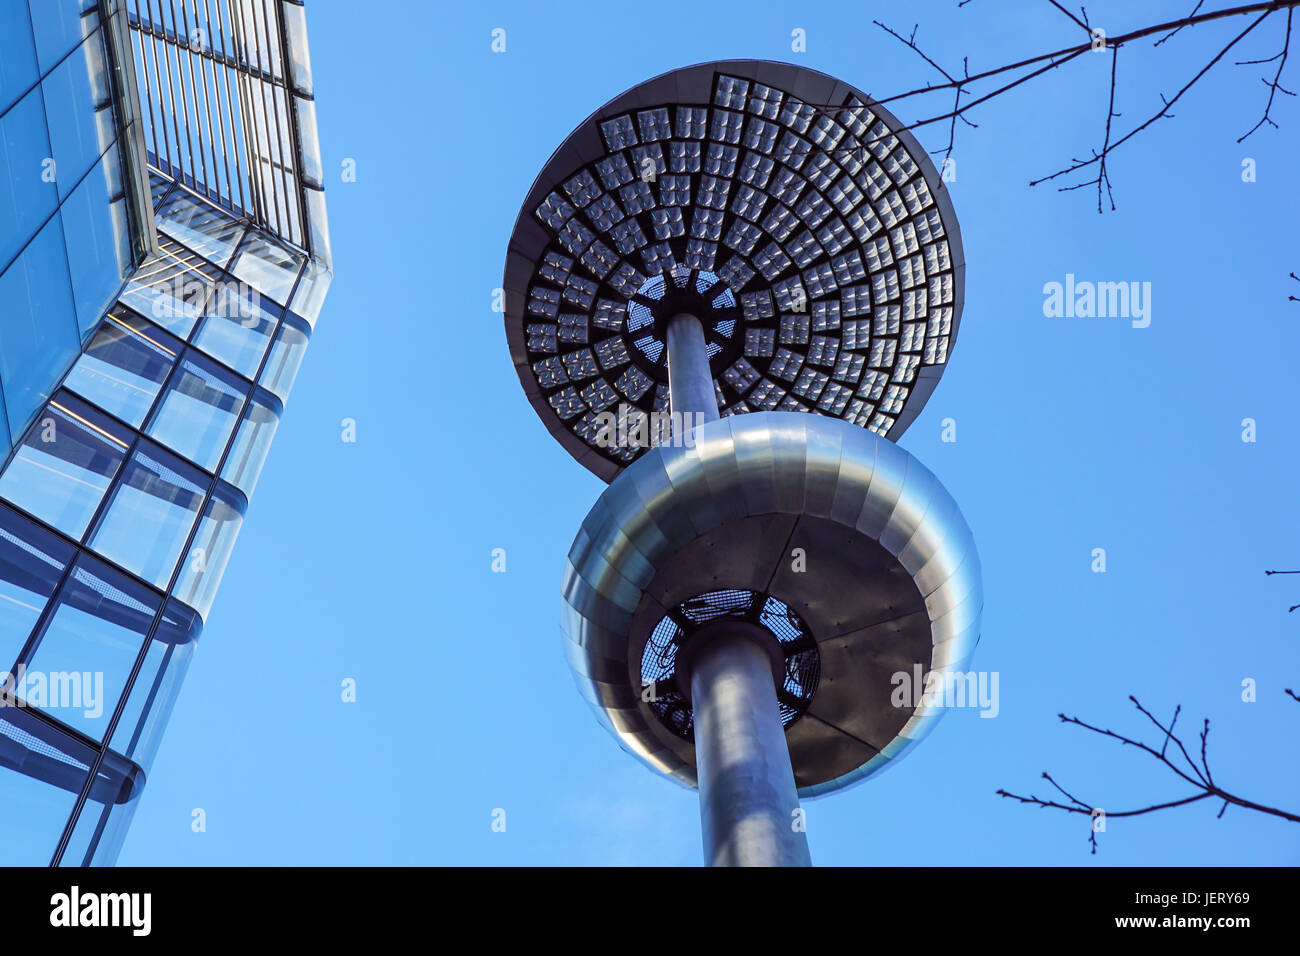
[
  {"x": 748, "y": 800},
  {"x": 690, "y": 380}
]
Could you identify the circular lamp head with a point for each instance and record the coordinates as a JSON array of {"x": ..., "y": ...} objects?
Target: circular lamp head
[
  {"x": 835, "y": 540},
  {"x": 814, "y": 235}
]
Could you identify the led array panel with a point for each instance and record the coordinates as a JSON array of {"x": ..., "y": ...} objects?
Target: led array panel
[{"x": 817, "y": 218}]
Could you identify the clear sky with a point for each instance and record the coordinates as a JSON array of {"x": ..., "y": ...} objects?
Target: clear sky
[{"x": 372, "y": 560}]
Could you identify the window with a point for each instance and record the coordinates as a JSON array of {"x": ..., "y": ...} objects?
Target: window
[
  {"x": 42, "y": 769},
  {"x": 98, "y": 233},
  {"x": 64, "y": 466},
  {"x": 268, "y": 265},
  {"x": 238, "y": 327},
  {"x": 152, "y": 510},
  {"x": 173, "y": 289},
  {"x": 25, "y": 169},
  {"x": 32, "y": 561},
  {"x": 79, "y": 112},
  {"x": 88, "y": 649},
  {"x": 193, "y": 223},
  {"x": 252, "y": 442},
  {"x": 199, "y": 410},
  {"x": 310, "y": 294},
  {"x": 38, "y": 323},
  {"x": 59, "y": 25},
  {"x": 286, "y": 356},
  {"x": 154, "y": 692},
  {"x": 124, "y": 367},
  {"x": 17, "y": 53},
  {"x": 207, "y": 558}
]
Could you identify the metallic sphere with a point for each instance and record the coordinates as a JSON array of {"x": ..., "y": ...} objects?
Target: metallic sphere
[{"x": 804, "y": 524}]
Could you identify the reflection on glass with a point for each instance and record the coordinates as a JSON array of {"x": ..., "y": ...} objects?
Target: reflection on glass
[
  {"x": 152, "y": 510},
  {"x": 88, "y": 648},
  {"x": 124, "y": 366},
  {"x": 110, "y": 805},
  {"x": 31, "y": 563},
  {"x": 252, "y": 442},
  {"x": 201, "y": 573},
  {"x": 29, "y": 196},
  {"x": 38, "y": 323},
  {"x": 172, "y": 289},
  {"x": 286, "y": 356},
  {"x": 98, "y": 234},
  {"x": 237, "y": 327},
  {"x": 64, "y": 466},
  {"x": 195, "y": 224},
  {"x": 268, "y": 265},
  {"x": 79, "y": 112},
  {"x": 199, "y": 410}
]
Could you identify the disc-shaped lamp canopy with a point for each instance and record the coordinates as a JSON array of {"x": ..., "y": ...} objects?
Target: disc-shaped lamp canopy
[{"x": 811, "y": 236}]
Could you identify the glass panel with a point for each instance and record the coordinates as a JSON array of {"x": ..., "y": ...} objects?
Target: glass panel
[
  {"x": 79, "y": 112},
  {"x": 268, "y": 265},
  {"x": 310, "y": 294},
  {"x": 63, "y": 468},
  {"x": 188, "y": 220},
  {"x": 38, "y": 324},
  {"x": 102, "y": 827},
  {"x": 98, "y": 233},
  {"x": 17, "y": 53},
  {"x": 29, "y": 196},
  {"x": 85, "y": 656},
  {"x": 210, "y": 552},
  {"x": 107, "y": 813},
  {"x": 199, "y": 410},
  {"x": 32, "y": 561},
  {"x": 154, "y": 692},
  {"x": 125, "y": 366},
  {"x": 42, "y": 770},
  {"x": 238, "y": 326},
  {"x": 172, "y": 289},
  {"x": 6, "y": 443},
  {"x": 151, "y": 513},
  {"x": 59, "y": 26},
  {"x": 286, "y": 355},
  {"x": 252, "y": 442}
]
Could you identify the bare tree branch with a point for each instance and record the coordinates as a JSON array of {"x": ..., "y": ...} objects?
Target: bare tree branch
[
  {"x": 1199, "y": 778},
  {"x": 1170, "y": 36},
  {"x": 956, "y": 114},
  {"x": 1164, "y": 111},
  {"x": 1274, "y": 86}
]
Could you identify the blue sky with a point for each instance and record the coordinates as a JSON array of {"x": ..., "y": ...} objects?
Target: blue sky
[{"x": 372, "y": 560}]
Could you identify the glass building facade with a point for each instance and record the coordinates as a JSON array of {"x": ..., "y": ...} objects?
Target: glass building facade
[{"x": 159, "y": 283}]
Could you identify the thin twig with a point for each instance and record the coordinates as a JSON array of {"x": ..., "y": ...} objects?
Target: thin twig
[
  {"x": 1274, "y": 86},
  {"x": 1202, "y": 780}
]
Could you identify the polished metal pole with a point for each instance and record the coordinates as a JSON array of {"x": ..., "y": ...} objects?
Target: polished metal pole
[
  {"x": 690, "y": 380},
  {"x": 748, "y": 801}
]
